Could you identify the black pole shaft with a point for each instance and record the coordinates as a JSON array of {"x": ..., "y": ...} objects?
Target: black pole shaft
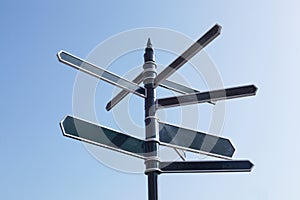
[
  {"x": 152, "y": 186},
  {"x": 151, "y": 123},
  {"x": 151, "y": 144}
]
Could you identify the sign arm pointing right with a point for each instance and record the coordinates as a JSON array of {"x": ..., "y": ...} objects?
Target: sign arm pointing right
[
  {"x": 210, "y": 96},
  {"x": 170, "y": 85},
  {"x": 188, "y": 54},
  {"x": 206, "y": 166}
]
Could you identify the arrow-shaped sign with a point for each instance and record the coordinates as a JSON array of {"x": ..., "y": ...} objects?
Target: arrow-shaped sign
[
  {"x": 122, "y": 94},
  {"x": 206, "y": 166},
  {"x": 101, "y": 136},
  {"x": 100, "y": 73},
  {"x": 195, "y": 141},
  {"x": 176, "y": 87},
  {"x": 170, "y": 135},
  {"x": 188, "y": 54},
  {"x": 211, "y": 96}
]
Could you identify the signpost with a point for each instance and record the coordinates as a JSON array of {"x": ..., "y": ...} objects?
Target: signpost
[{"x": 160, "y": 133}]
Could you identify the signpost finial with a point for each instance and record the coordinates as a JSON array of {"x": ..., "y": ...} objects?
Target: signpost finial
[{"x": 149, "y": 44}]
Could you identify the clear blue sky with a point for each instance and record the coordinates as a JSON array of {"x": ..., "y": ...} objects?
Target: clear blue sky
[{"x": 259, "y": 44}]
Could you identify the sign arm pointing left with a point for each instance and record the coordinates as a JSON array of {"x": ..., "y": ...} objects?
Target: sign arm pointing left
[
  {"x": 121, "y": 95},
  {"x": 101, "y": 136},
  {"x": 100, "y": 73},
  {"x": 170, "y": 85}
]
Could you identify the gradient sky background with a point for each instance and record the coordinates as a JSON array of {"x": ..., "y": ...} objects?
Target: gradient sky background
[{"x": 260, "y": 44}]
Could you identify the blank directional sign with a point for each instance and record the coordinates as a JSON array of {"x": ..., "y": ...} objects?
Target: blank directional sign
[
  {"x": 101, "y": 136},
  {"x": 211, "y": 96},
  {"x": 170, "y": 85},
  {"x": 188, "y": 54},
  {"x": 121, "y": 95},
  {"x": 206, "y": 166},
  {"x": 100, "y": 73},
  {"x": 195, "y": 141},
  {"x": 176, "y": 87}
]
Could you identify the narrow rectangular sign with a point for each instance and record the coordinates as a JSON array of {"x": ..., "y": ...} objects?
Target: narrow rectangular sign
[
  {"x": 170, "y": 85},
  {"x": 206, "y": 166},
  {"x": 101, "y": 136},
  {"x": 195, "y": 141},
  {"x": 211, "y": 96},
  {"x": 122, "y": 94},
  {"x": 100, "y": 73},
  {"x": 176, "y": 87},
  {"x": 188, "y": 54}
]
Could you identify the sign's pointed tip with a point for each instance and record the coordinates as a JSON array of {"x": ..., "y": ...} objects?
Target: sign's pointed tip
[
  {"x": 149, "y": 44},
  {"x": 108, "y": 106},
  {"x": 251, "y": 165},
  {"x": 255, "y": 89},
  {"x": 219, "y": 27},
  {"x": 58, "y": 55},
  {"x": 61, "y": 124}
]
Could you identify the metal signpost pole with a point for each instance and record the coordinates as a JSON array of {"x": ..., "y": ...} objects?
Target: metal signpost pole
[
  {"x": 151, "y": 123},
  {"x": 159, "y": 133}
]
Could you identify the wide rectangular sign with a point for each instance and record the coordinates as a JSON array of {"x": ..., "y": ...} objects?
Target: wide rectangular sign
[
  {"x": 101, "y": 136},
  {"x": 195, "y": 141}
]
